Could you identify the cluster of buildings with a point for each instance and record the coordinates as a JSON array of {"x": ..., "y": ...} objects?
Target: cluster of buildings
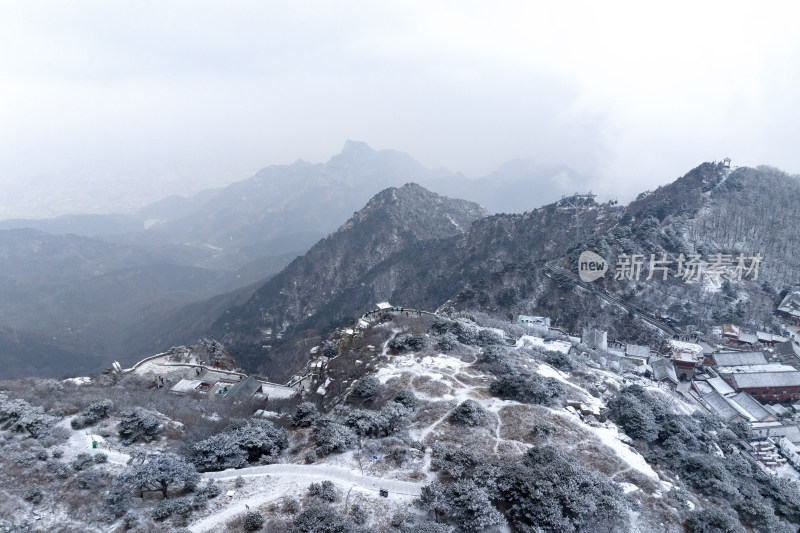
[
  {"x": 746, "y": 386},
  {"x": 753, "y": 377},
  {"x": 738, "y": 375},
  {"x": 789, "y": 308},
  {"x": 231, "y": 386},
  {"x": 187, "y": 374}
]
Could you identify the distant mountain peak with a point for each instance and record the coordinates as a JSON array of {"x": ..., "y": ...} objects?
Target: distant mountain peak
[{"x": 356, "y": 148}]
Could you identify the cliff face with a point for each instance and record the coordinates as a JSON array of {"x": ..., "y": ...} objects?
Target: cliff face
[{"x": 299, "y": 298}]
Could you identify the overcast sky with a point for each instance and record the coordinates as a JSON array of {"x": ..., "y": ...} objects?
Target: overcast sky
[{"x": 108, "y": 104}]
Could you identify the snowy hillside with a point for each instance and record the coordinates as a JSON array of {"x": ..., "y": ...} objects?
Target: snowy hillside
[{"x": 408, "y": 421}]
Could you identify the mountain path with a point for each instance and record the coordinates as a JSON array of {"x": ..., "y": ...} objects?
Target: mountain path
[{"x": 285, "y": 478}]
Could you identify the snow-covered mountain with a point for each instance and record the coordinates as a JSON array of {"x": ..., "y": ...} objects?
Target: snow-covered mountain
[{"x": 498, "y": 264}]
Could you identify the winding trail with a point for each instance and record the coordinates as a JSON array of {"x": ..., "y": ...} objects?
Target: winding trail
[
  {"x": 497, "y": 433},
  {"x": 287, "y": 477},
  {"x": 311, "y": 472}
]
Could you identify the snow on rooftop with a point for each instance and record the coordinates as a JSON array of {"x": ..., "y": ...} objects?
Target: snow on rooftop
[
  {"x": 383, "y": 305},
  {"x": 703, "y": 387},
  {"x": 752, "y": 406},
  {"x": 739, "y": 359},
  {"x": 277, "y": 392},
  {"x": 83, "y": 380},
  {"x": 721, "y": 386},
  {"x": 635, "y": 350},
  {"x": 767, "y": 379},
  {"x": 731, "y": 329},
  {"x": 685, "y": 347},
  {"x": 538, "y": 342},
  {"x": 725, "y": 408},
  {"x": 186, "y": 385},
  {"x": 791, "y": 304},
  {"x": 748, "y": 338},
  {"x": 752, "y": 369},
  {"x": 770, "y": 337}
]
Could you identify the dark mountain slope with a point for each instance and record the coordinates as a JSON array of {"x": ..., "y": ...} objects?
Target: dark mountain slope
[
  {"x": 226, "y": 228},
  {"x": 83, "y": 225},
  {"x": 393, "y": 219},
  {"x": 302, "y": 197},
  {"x": 24, "y": 354},
  {"x": 496, "y": 265},
  {"x": 710, "y": 210},
  {"x": 78, "y": 295},
  {"x": 33, "y": 254},
  {"x": 157, "y": 329}
]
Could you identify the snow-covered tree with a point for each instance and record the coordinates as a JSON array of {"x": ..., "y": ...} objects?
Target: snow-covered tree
[
  {"x": 713, "y": 520},
  {"x": 23, "y": 417},
  {"x": 305, "y": 415},
  {"x": 494, "y": 353},
  {"x": 489, "y": 337},
  {"x": 94, "y": 412},
  {"x": 332, "y": 437},
  {"x": 464, "y": 329},
  {"x": 366, "y": 390},
  {"x": 322, "y": 519},
  {"x": 159, "y": 473},
  {"x": 325, "y": 491},
  {"x": 528, "y": 388},
  {"x": 253, "y": 521},
  {"x": 469, "y": 413},
  {"x": 138, "y": 423},
  {"x": 408, "y": 341},
  {"x": 218, "y": 452},
  {"x": 382, "y": 423},
  {"x": 552, "y": 491},
  {"x": 406, "y": 398},
  {"x": 464, "y": 502},
  {"x": 261, "y": 439},
  {"x": 254, "y": 441},
  {"x": 634, "y": 416}
]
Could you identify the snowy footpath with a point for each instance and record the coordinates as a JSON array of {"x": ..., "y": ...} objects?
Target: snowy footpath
[
  {"x": 81, "y": 441},
  {"x": 285, "y": 479},
  {"x": 340, "y": 475}
]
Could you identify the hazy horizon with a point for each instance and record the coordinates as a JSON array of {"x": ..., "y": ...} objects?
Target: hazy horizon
[{"x": 116, "y": 105}]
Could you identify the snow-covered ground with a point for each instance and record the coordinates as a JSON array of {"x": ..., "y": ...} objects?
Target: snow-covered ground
[
  {"x": 81, "y": 441},
  {"x": 462, "y": 381},
  {"x": 279, "y": 481},
  {"x": 313, "y": 472},
  {"x": 611, "y": 437},
  {"x": 440, "y": 381}
]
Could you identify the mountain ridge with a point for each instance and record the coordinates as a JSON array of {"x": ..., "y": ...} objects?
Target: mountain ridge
[
  {"x": 392, "y": 219},
  {"x": 497, "y": 264}
]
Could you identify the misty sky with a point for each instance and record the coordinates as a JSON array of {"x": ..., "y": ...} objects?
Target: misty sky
[{"x": 106, "y": 105}]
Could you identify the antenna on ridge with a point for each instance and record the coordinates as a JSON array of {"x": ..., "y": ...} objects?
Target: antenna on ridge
[{"x": 578, "y": 201}]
